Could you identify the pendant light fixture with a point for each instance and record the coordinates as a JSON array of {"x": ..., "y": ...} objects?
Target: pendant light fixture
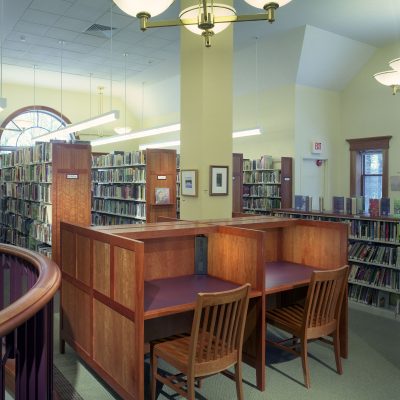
[
  {"x": 205, "y": 19},
  {"x": 392, "y": 77}
]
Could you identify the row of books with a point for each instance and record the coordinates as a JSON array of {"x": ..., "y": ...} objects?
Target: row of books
[
  {"x": 265, "y": 162},
  {"x": 372, "y": 253},
  {"x": 27, "y": 209},
  {"x": 12, "y": 236},
  {"x": 261, "y": 203},
  {"x": 28, "y": 173},
  {"x": 262, "y": 177},
  {"x": 119, "y": 158},
  {"x": 27, "y": 226},
  {"x": 262, "y": 190},
  {"x": 356, "y": 205},
  {"x": 137, "y": 210},
  {"x": 44, "y": 250},
  {"x": 379, "y": 277},
  {"x": 303, "y": 203},
  {"x": 32, "y": 191},
  {"x": 121, "y": 191},
  {"x": 373, "y": 297},
  {"x": 41, "y": 232},
  {"x": 15, "y": 221},
  {"x": 39, "y": 153},
  {"x": 119, "y": 175},
  {"x": 374, "y": 230},
  {"x": 104, "y": 219}
]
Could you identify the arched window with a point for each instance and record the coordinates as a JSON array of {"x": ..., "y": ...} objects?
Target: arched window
[{"x": 23, "y": 126}]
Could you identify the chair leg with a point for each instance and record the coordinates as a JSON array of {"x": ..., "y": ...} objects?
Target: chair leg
[
  {"x": 304, "y": 361},
  {"x": 190, "y": 388},
  {"x": 336, "y": 347},
  {"x": 238, "y": 380},
  {"x": 153, "y": 386}
]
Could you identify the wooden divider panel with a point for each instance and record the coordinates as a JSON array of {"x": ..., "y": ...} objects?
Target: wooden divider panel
[
  {"x": 114, "y": 346},
  {"x": 76, "y": 316},
  {"x": 102, "y": 273},
  {"x": 322, "y": 245},
  {"x": 168, "y": 257},
  {"x": 102, "y": 305},
  {"x": 68, "y": 249},
  {"x": 83, "y": 267},
  {"x": 272, "y": 244},
  {"x": 236, "y": 255},
  {"x": 125, "y": 285}
]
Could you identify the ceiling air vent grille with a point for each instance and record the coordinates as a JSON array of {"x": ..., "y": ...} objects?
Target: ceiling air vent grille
[{"x": 100, "y": 30}]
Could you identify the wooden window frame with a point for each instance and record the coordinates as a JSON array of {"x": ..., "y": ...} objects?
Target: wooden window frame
[{"x": 357, "y": 147}]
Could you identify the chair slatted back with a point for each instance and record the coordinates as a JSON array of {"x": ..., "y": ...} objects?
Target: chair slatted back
[
  {"x": 324, "y": 297},
  {"x": 218, "y": 324}
]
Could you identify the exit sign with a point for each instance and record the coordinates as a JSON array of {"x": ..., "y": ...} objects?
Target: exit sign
[{"x": 317, "y": 147}]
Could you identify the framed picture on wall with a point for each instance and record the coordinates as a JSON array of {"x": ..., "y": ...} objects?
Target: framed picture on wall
[
  {"x": 189, "y": 182},
  {"x": 218, "y": 180}
]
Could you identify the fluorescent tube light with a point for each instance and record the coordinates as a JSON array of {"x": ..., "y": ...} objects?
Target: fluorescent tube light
[
  {"x": 247, "y": 132},
  {"x": 3, "y": 103},
  {"x": 80, "y": 126},
  {"x": 136, "y": 135},
  {"x": 122, "y": 130},
  {"x": 172, "y": 143},
  {"x": 160, "y": 130}
]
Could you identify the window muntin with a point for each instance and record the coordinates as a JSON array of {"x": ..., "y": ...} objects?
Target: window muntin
[
  {"x": 28, "y": 125},
  {"x": 371, "y": 177}
]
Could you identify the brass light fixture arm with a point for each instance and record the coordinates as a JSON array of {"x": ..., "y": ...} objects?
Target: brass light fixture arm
[{"x": 194, "y": 21}]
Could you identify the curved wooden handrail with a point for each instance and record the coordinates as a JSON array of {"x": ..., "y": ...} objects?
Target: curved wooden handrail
[{"x": 48, "y": 281}]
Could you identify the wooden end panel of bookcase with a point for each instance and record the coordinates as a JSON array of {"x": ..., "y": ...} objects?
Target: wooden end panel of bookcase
[
  {"x": 71, "y": 195},
  {"x": 103, "y": 321},
  {"x": 286, "y": 182},
  {"x": 237, "y": 182},
  {"x": 160, "y": 173}
]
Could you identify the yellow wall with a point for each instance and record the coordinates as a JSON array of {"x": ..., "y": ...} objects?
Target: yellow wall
[
  {"x": 317, "y": 117},
  {"x": 369, "y": 109},
  {"x": 276, "y": 121}
]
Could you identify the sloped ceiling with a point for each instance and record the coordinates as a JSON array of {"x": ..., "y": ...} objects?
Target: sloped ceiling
[{"x": 330, "y": 61}]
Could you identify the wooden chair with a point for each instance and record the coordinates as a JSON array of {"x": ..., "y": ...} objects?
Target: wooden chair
[
  {"x": 215, "y": 343},
  {"x": 320, "y": 316}
]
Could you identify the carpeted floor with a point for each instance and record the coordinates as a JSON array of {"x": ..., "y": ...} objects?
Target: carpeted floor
[{"x": 372, "y": 371}]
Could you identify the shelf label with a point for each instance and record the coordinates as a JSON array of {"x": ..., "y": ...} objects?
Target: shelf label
[
  {"x": 72, "y": 176},
  {"x": 161, "y": 177}
]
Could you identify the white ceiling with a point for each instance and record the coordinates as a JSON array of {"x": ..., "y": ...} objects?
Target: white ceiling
[{"x": 33, "y": 33}]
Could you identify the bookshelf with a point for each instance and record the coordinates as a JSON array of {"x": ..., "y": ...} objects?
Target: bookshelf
[
  {"x": 267, "y": 184},
  {"x": 124, "y": 186},
  {"x": 373, "y": 256},
  {"x": 40, "y": 186},
  {"x": 119, "y": 188}
]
